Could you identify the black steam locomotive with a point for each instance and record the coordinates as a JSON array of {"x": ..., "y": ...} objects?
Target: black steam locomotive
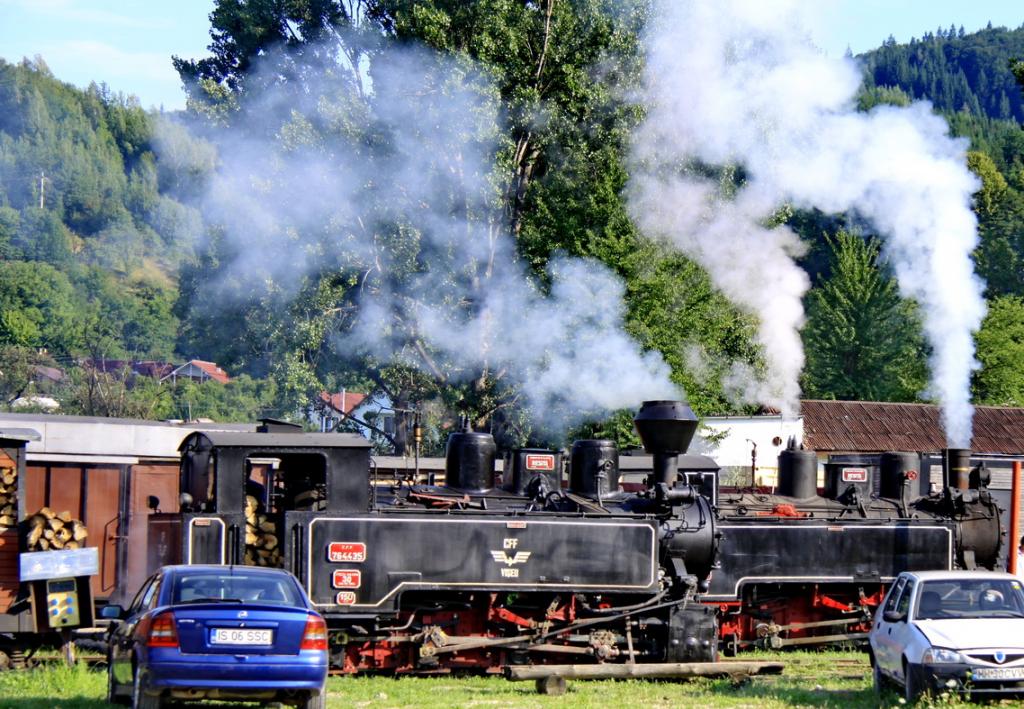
[
  {"x": 479, "y": 574},
  {"x": 470, "y": 574},
  {"x": 799, "y": 568}
]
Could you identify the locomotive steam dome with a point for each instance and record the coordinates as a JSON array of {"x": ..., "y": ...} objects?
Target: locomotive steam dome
[{"x": 469, "y": 461}]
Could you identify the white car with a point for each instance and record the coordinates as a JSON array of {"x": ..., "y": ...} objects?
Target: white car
[{"x": 951, "y": 631}]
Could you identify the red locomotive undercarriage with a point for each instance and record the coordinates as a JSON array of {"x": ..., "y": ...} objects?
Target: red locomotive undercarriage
[
  {"x": 486, "y": 636},
  {"x": 811, "y": 614}
]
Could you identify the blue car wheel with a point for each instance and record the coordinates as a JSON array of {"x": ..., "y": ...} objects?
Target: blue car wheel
[
  {"x": 141, "y": 700},
  {"x": 317, "y": 700}
]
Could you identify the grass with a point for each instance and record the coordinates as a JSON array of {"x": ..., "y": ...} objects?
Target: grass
[{"x": 811, "y": 679}]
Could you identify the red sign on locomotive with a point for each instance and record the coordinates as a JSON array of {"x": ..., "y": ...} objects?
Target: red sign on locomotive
[
  {"x": 346, "y": 551},
  {"x": 347, "y": 578},
  {"x": 540, "y": 461}
]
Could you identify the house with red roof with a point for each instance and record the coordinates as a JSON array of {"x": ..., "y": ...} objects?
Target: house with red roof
[
  {"x": 198, "y": 371},
  {"x": 330, "y": 409}
]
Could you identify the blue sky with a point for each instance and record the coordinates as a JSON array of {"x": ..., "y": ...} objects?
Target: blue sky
[{"x": 128, "y": 43}]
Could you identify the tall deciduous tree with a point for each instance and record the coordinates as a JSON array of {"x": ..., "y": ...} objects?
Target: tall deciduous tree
[
  {"x": 560, "y": 69},
  {"x": 862, "y": 340},
  {"x": 1000, "y": 350}
]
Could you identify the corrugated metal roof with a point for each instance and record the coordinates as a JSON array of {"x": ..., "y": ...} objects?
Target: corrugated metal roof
[{"x": 869, "y": 426}]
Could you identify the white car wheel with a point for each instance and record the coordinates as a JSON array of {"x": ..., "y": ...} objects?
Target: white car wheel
[
  {"x": 879, "y": 680},
  {"x": 911, "y": 685}
]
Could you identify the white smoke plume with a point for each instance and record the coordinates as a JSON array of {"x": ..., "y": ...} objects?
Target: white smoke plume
[
  {"x": 399, "y": 187},
  {"x": 738, "y": 82}
]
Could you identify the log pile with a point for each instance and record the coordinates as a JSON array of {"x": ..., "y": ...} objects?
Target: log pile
[
  {"x": 48, "y": 531},
  {"x": 8, "y": 498},
  {"x": 262, "y": 546}
]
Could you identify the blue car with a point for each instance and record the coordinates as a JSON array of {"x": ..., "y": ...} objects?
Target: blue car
[{"x": 217, "y": 632}]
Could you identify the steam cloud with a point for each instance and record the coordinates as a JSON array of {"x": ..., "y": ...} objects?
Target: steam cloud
[
  {"x": 397, "y": 184},
  {"x": 737, "y": 82}
]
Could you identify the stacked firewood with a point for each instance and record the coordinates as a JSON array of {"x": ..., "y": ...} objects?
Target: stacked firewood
[
  {"x": 262, "y": 546},
  {"x": 48, "y": 531},
  {"x": 8, "y": 498}
]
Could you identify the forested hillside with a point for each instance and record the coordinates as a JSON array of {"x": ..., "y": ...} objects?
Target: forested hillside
[
  {"x": 955, "y": 71},
  {"x": 90, "y": 242},
  {"x": 91, "y": 238},
  {"x": 111, "y": 249}
]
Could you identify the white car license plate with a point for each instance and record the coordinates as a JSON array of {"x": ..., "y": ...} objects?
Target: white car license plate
[
  {"x": 998, "y": 673},
  {"x": 241, "y": 636}
]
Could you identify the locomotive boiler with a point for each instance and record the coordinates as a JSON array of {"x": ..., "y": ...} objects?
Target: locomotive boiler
[
  {"x": 476, "y": 573},
  {"x": 799, "y": 567}
]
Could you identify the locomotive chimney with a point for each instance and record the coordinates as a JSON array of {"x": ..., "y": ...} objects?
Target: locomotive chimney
[
  {"x": 958, "y": 467},
  {"x": 666, "y": 429}
]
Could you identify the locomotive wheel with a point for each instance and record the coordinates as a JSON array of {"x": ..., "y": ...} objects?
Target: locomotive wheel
[{"x": 552, "y": 684}]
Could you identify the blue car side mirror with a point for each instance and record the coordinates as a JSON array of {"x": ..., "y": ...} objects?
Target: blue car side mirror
[{"x": 112, "y": 612}]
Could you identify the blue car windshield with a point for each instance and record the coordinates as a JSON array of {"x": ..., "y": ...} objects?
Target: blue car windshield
[
  {"x": 233, "y": 587},
  {"x": 970, "y": 598}
]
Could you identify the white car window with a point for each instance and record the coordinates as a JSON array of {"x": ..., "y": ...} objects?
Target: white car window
[
  {"x": 903, "y": 604},
  {"x": 894, "y": 594},
  {"x": 970, "y": 598}
]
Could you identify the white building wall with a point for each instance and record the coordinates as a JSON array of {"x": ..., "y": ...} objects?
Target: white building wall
[{"x": 739, "y": 434}]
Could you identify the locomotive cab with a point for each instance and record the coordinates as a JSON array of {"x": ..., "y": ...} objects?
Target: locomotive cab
[{"x": 236, "y": 488}]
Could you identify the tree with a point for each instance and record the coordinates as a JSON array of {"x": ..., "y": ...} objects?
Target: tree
[
  {"x": 993, "y": 184},
  {"x": 241, "y": 399},
  {"x": 91, "y": 391},
  {"x": 18, "y": 373},
  {"x": 1000, "y": 351},
  {"x": 1017, "y": 69},
  {"x": 862, "y": 340},
  {"x": 38, "y": 307},
  {"x": 542, "y": 134}
]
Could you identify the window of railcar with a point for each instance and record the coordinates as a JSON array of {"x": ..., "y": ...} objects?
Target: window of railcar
[
  {"x": 199, "y": 476},
  {"x": 301, "y": 481},
  {"x": 261, "y": 481}
]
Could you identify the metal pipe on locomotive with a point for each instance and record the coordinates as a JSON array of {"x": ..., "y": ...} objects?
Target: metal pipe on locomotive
[{"x": 468, "y": 575}]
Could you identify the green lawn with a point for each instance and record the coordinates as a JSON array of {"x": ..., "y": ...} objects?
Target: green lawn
[{"x": 829, "y": 679}]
